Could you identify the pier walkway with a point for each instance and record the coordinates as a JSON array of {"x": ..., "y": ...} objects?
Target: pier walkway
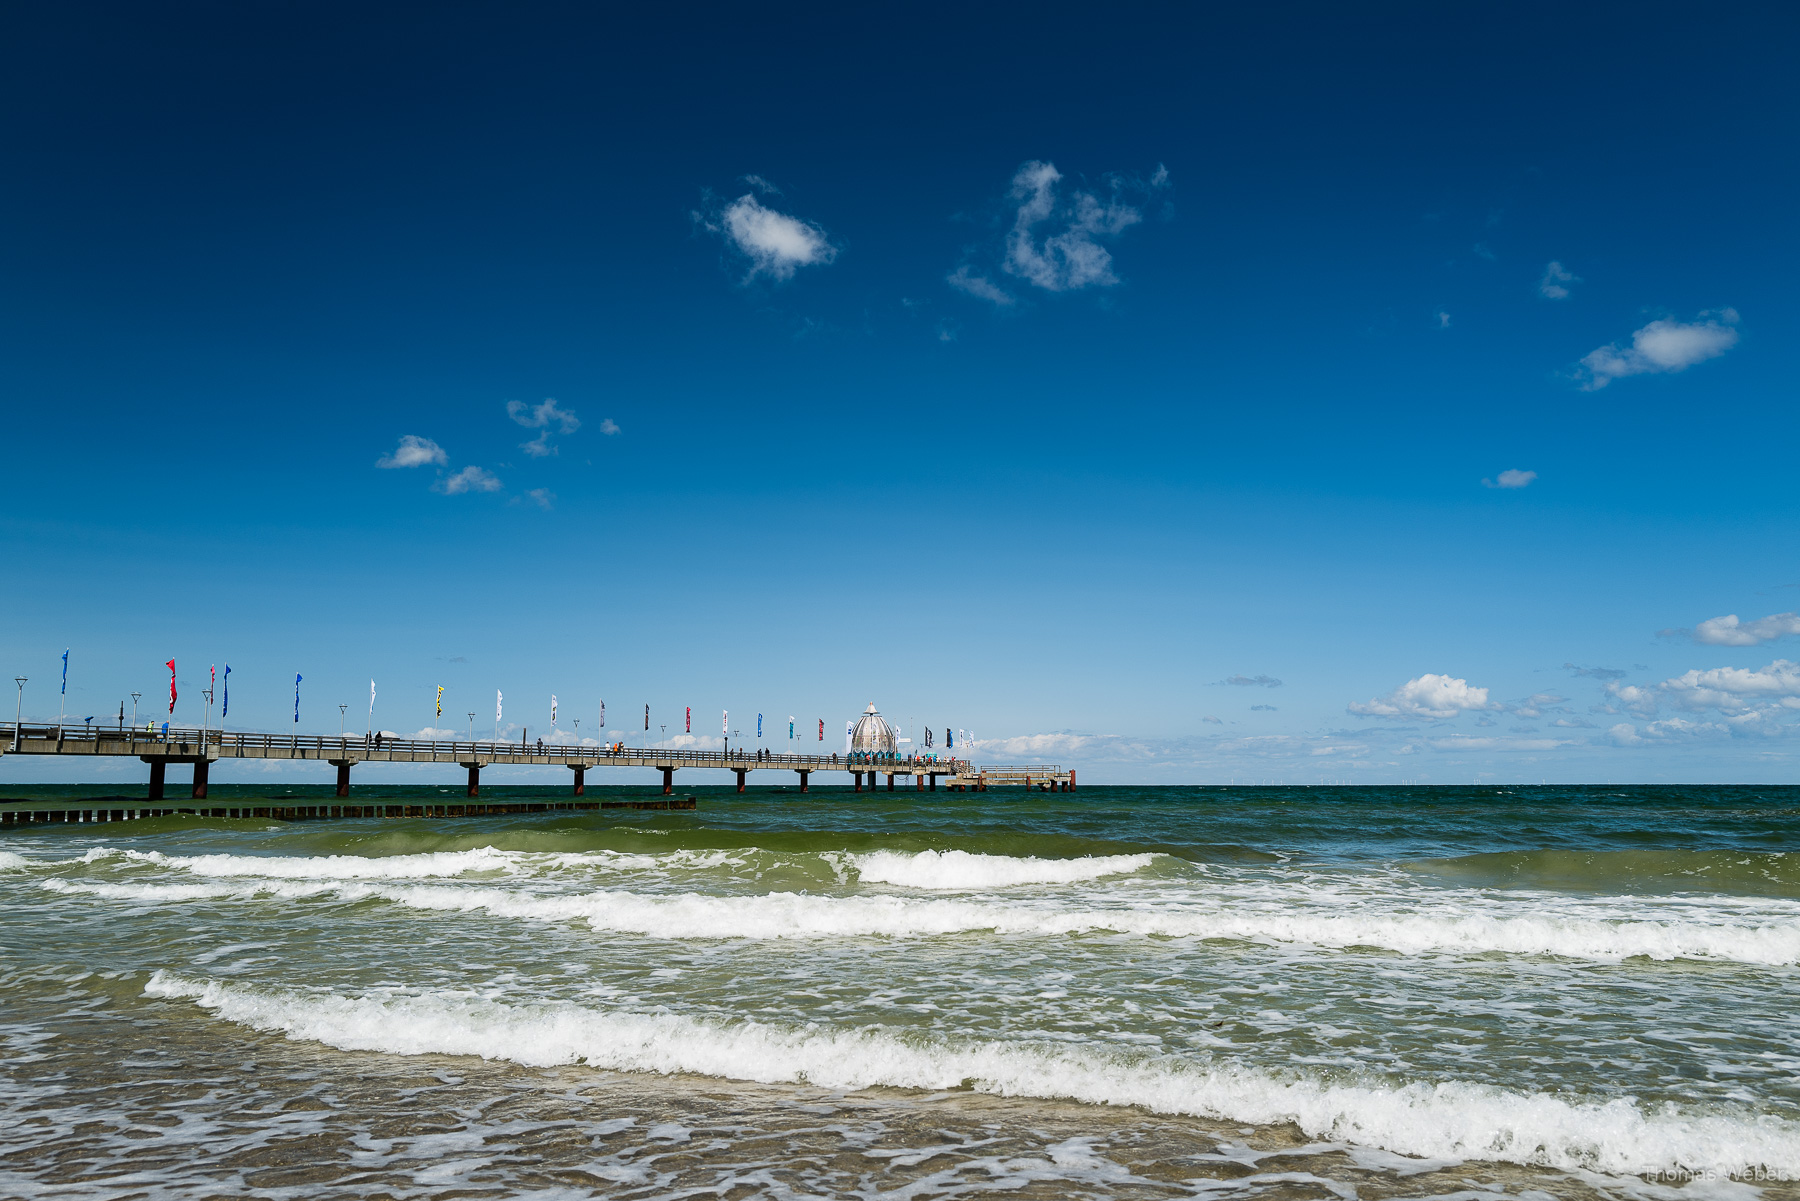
[{"x": 202, "y": 748}]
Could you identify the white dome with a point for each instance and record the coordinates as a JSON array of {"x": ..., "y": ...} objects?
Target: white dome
[{"x": 873, "y": 735}]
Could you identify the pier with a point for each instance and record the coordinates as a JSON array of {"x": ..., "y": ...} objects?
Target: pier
[{"x": 200, "y": 749}]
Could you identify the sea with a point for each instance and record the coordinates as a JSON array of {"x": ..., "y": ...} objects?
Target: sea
[{"x": 1117, "y": 992}]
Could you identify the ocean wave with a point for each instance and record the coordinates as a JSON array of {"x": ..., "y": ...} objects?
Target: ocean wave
[
  {"x": 961, "y": 870},
  {"x": 1446, "y": 1120},
  {"x": 10, "y": 860},
  {"x": 1637, "y": 871},
  {"x": 794, "y": 915},
  {"x": 418, "y": 866}
]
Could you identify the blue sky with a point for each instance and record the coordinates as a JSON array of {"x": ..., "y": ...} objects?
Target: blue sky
[{"x": 1032, "y": 371}]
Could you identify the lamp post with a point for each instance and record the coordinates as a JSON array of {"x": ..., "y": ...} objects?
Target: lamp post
[
  {"x": 471, "y": 727},
  {"x": 206, "y": 722},
  {"x": 134, "y": 700},
  {"x": 341, "y": 710},
  {"x": 19, "y": 708}
]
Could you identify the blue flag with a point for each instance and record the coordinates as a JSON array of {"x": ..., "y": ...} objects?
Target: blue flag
[
  {"x": 296, "y": 698},
  {"x": 227, "y": 708},
  {"x": 65, "y": 686},
  {"x": 759, "y": 725}
]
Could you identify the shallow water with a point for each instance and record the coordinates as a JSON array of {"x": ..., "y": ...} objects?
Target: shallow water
[{"x": 1115, "y": 992}]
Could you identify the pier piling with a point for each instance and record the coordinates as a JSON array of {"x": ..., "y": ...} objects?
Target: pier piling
[{"x": 200, "y": 772}]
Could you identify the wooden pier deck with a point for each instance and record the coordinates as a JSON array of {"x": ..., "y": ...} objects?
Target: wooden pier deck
[{"x": 202, "y": 748}]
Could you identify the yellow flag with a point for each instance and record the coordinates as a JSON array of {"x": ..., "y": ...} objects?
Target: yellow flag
[{"x": 440, "y": 688}]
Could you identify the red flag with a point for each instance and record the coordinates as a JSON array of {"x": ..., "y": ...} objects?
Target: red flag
[
  {"x": 690, "y": 719},
  {"x": 171, "y": 686},
  {"x": 821, "y": 729}
]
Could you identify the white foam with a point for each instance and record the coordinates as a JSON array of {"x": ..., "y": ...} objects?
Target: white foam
[
  {"x": 10, "y": 860},
  {"x": 1452, "y": 1119},
  {"x": 962, "y": 870},
  {"x": 1764, "y": 940},
  {"x": 419, "y": 866}
]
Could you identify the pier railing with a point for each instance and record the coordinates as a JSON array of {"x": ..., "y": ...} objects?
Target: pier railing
[{"x": 193, "y": 742}]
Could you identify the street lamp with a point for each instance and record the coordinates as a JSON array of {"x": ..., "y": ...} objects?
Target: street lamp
[
  {"x": 19, "y": 708},
  {"x": 341, "y": 709},
  {"x": 134, "y": 700},
  {"x": 471, "y": 727},
  {"x": 206, "y": 721}
]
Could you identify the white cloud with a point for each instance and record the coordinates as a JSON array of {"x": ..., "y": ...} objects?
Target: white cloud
[
  {"x": 1512, "y": 477},
  {"x": 1539, "y": 703},
  {"x": 1429, "y": 696},
  {"x": 1556, "y": 281},
  {"x": 1256, "y": 681},
  {"x": 545, "y": 418},
  {"x": 978, "y": 286},
  {"x": 548, "y": 415},
  {"x": 776, "y": 244},
  {"x": 1675, "y": 729},
  {"x": 1443, "y": 320},
  {"x": 1665, "y": 345},
  {"x": 1067, "y": 255},
  {"x": 469, "y": 479},
  {"x": 609, "y": 427},
  {"x": 1734, "y": 689},
  {"x": 1728, "y": 631},
  {"x": 414, "y": 451},
  {"x": 543, "y": 498},
  {"x": 1458, "y": 742},
  {"x": 1641, "y": 701}
]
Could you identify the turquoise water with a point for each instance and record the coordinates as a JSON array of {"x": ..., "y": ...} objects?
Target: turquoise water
[{"x": 1113, "y": 992}]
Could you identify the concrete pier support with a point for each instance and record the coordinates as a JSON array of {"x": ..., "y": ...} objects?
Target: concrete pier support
[
  {"x": 474, "y": 788},
  {"x": 803, "y": 778},
  {"x": 200, "y": 773},
  {"x": 1071, "y": 779},
  {"x": 343, "y": 779},
  {"x": 740, "y": 775},
  {"x": 157, "y": 769},
  {"x": 890, "y": 781},
  {"x": 918, "y": 782},
  {"x": 933, "y": 782},
  {"x": 858, "y": 776},
  {"x": 668, "y": 780},
  {"x": 580, "y": 770}
]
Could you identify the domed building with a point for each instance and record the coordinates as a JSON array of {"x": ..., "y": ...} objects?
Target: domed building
[{"x": 873, "y": 736}]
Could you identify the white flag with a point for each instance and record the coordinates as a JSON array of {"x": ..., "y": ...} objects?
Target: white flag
[
  {"x": 498, "y": 697},
  {"x": 371, "y": 698},
  {"x": 552, "y": 708},
  {"x": 603, "y": 713},
  {"x": 724, "y": 721}
]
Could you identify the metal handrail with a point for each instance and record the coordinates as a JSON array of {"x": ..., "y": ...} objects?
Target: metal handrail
[{"x": 361, "y": 747}]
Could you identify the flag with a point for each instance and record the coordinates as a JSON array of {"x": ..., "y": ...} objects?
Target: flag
[
  {"x": 603, "y": 713},
  {"x": 724, "y": 721},
  {"x": 296, "y": 698},
  {"x": 821, "y": 729},
  {"x": 848, "y": 729},
  {"x": 440, "y": 702},
  {"x": 949, "y": 741},
  {"x": 171, "y": 685},
  {"x": 371, "y": 703},
  {"x": 927, "y": 735},
  {"x": 212, "y": 674},
  {"x": 759, "y": 725},
  {"x": 646, "y": 717},
  {"x": 790, "y": 727},
  {"x": 65, "y": 684},
  {"x": 227, "y": 708},
  {"x": 552, "y": 708},
  {"x": 690, "y": 719},
  {"x": 498, "y": 710}
]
